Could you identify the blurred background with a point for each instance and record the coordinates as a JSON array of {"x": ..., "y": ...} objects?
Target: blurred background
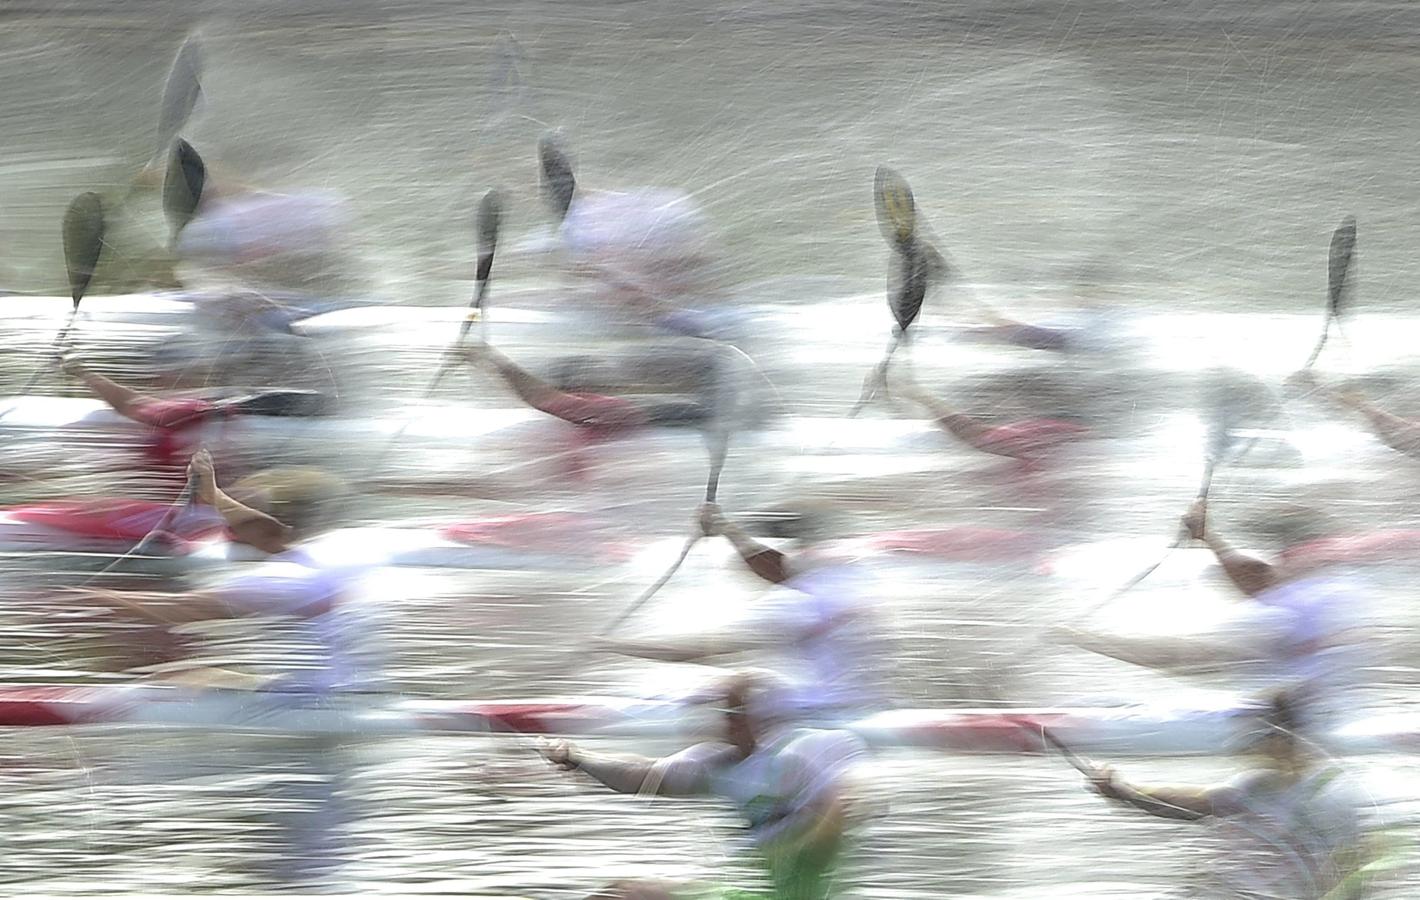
[{"x": 1158, "y": 182}]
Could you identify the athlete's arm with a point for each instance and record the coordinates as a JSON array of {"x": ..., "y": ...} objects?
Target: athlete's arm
[
  {"x": 1168, "y": 653},
  {"x": 766, "y": 562},
  {"x": 248, "y": 525},
  {"x": 686, "y": 774},
  {"x": 1251, "y": 575},
  {"x": 690, "y": 648},
  {"x": 1394, "y": 431},
  {"x": 160, "y": 607},
  {"x": 123, "y": 400},
  {"x": 543, "y": 397},
  {"x": 1164, "y": 801}
]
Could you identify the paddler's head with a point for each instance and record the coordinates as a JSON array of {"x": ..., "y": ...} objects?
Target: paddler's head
[
  {"x": 808, "y": 522},
  {"x": 740, "y": 727},
  {"x": 1279, "y": 738},
  {"x": 1294, "y": 530},
  {"x": 747, "y": 702},
  {"x": 303, "y": 499}
]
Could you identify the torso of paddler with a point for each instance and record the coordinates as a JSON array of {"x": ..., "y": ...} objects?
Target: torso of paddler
[
  {"x": 291, "y": 239},
  {"x": 656, "y": 233},
  {"x": 1282, "y": 834},
  {"x": 314, "y": 636}
]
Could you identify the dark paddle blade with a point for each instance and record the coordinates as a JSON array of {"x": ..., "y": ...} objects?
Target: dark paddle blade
[
  {"x": 490, "y": 217},
  {"x": 897, "y": 211},
  {"x": 182, "y": 185},
  {"x": 557, "y": 178},
  {"x": 1343, "y": 244},
  {"x": 910, "y": 286},
  {"x": 83, "y": 241},
  {"x": 180, "y": 94}
]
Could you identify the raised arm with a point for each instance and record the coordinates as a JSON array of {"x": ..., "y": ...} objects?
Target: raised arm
[
  {"x": 250, "y": 526},
  {"x": 123, "y": 400}
]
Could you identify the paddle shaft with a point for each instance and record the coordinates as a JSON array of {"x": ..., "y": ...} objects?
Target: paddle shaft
[
  {"x": 870, "y": 388},
  {"x": 183, "y": 501},
  {"x": 712, "y": 488},
  {"x": 54, "y": 346},
  {"x": 1178, "y": 542}
]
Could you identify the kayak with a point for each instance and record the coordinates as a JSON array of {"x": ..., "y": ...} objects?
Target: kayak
[
  {"x": 1131, "y": 731},
  {"x": 490, "y": 442},
  {"x": 523, "y": 314},
  {"x": 538, "y": 540},
  {"x": 112, "y": 528}
]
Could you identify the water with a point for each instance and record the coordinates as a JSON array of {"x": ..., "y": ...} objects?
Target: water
[{"x": 1196, "y": 155}]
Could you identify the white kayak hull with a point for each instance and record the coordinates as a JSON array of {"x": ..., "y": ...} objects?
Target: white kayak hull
[
  {"x": 409, "y": 546},
  {"x": 1131, "y": 731}
]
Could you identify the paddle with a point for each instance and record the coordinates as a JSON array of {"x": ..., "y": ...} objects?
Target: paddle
[
  {"x": 916, "y": 262},
  {"x": 718, "y": 444},
  {"x": 490, "y": 216},
  {"x": 183, "y": 501},
  {"x": 181, "y": 93},
  {"x": 182, "y": 186},
  {"x": 83, "y": 232},
  {"x": 1343, "y": 245},
  {"x": 1219, "y": 442},
  {"x": 557, "y": 179}
]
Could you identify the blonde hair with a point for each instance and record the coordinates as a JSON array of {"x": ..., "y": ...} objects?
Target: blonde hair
[{"x": 301, "y": 498}]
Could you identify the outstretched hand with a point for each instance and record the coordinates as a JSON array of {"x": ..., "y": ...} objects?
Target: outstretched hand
[{"x": 561, "y": 754}]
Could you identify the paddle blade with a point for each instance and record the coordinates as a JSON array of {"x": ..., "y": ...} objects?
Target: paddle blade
[
  {"x": 897, "y": 211},
  {"x": 490, "y": 216},
  {"x": 180, "y": 93},
  {"x": 1343, "y": 244},
  {"x": 83, "y": 241},
  {"x": 557, "y": 179},
  {"x": 182, "y": 185},
  {"x": 909, "y": 288}
]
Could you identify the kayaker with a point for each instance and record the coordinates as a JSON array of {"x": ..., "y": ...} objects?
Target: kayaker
[
  {"x": 815, "y": 629},
  {"x": 1300, "y": 628},
  {"x": 793, "y": 787},
  {"x": 309, "y": 600},
  {"x": 1290, "y": 827}
]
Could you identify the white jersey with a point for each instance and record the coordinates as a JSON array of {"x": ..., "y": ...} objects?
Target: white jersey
[
  {"x": 650, "y": 240},
  {"x": 1309, "y": 633},
  {"x": 253, "y": 227},
  {"x": 825, "y": 640},
  {"x": 1282, "y": 840},
  {"x": 315, "y": 639},
  {"x": 783, "y": 776}
]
